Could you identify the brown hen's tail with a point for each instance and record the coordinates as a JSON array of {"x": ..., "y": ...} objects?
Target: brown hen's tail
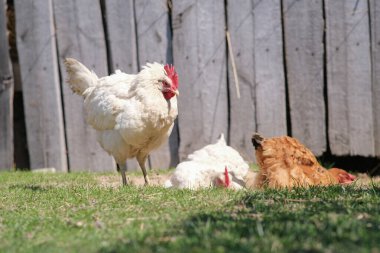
[{"x": 256, "y": 140}]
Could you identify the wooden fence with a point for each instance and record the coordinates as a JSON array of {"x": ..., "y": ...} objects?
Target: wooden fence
[{"x": 307, "y": 68}]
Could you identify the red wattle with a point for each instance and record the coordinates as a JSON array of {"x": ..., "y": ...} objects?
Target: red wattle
[{"x": 168, "y": 95}]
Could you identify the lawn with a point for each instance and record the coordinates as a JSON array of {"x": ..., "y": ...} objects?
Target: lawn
[{"x": 75, "y": 213}]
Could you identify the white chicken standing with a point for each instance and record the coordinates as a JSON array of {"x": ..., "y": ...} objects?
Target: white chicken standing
[
  {"x": 132, "y": 114},
  {"x": 213, "y": 165}
]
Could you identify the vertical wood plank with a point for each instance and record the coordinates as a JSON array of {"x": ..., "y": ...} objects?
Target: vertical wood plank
[
  {"x": 242, "y": 111},
  {"x": 154, "y": 45},
  {"x": 121, "y": 37},
  {"x": 375, "y": 35},
  {"x": 269, "y": 68},
  {"x": 153, "y": 31},
  {"x": 39, "y": 74},
  {"x": 6, "y": 96},
  {"x": 256, "y": 36},
  {"x": 199, "y": 52},
  {"x": 80, "y": 35},
  {"x": 303, "y": 25},
  {"x": 349, "y": 78}
]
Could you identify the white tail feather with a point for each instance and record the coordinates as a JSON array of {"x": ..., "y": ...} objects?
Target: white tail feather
[
  {"x": 221, "y": 139},
  {"x": 168, "y": 184},
  {"x": 79, "y": 77}
]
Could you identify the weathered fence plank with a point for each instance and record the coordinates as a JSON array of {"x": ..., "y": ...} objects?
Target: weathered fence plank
[
  {"x": 121, "y": 37},
  {"x": 242, "y": 111},
  {"x": 303, "y": 25},
  {"x": 6, "y": 96},
  {"x": 155, "y": 45},
  {"x": 153, "y": 31},
  {"x": 349, "y": 78},
  {"x": 256, "y": 36},
  {"x": 140, "y": 31},
  {"x": 269, "y": 68},
  {"x": 39, "y": 74},
  {"x": 80, "y": 35},
  {"x": 375, "y": 35},
  {"x": 199, "y": 52}
]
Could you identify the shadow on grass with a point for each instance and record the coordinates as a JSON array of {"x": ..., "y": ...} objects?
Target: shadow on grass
[
  {"x": 36, "y": 188},
  {"x": 332, "y": 219}
]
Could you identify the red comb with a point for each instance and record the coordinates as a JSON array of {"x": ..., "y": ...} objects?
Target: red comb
[
  {"x": 226, "y": 177},
  {"x": 172, "y": 74}
]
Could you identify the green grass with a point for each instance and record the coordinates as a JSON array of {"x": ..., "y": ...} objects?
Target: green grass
[{"x": 72, "y": 213}]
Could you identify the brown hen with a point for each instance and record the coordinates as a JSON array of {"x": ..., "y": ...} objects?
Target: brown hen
[{"x": 285, "y": 162}]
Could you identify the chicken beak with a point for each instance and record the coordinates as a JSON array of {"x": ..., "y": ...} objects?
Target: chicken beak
[
  {"x": 176, "y": 92},
  {"x": 239, "y": 180}
]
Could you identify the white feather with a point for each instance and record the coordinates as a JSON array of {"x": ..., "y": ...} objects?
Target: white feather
[
  {"x": 129, "y": 112},
  {"x": 202, "y": 167}
]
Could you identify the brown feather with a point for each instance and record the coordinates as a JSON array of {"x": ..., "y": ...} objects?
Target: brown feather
[{"x": 285, "y": 162}]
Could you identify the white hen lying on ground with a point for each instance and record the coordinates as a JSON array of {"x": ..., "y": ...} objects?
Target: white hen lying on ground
[{"x": 213, "y": 165}]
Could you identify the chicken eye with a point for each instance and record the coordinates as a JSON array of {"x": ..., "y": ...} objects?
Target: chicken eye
[{"x": 165, "y": 84}]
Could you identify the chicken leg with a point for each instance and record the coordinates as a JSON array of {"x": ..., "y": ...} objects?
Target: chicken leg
[
  {"x": 123, "y": 170},
  {"x": 141, "y": 159}
]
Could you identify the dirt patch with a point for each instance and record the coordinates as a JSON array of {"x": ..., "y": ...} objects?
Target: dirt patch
[
  {"x": 158, "y": 179},
  {"x": 114, "y": 181},
  {"x": 364, "y": 180}
]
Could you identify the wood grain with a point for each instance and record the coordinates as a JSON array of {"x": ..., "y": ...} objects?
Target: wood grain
[
  {"x": 80, "y": 35},
  {"x": 199, "y": 51},
  {"x": 375, "y": 52},
  {"x": 351, "y": 129},
  {"x": 256, "y": 38},
  {"x": 269, "y": 68},
  {"x": 40, "y": 84},
  {"x": 6, "y": 96},
  {"x": 303, "y": 23}
]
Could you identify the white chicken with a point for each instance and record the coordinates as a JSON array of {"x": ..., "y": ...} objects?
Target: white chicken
[
  {"x": 213, "y": 165},
  {"x": 132, "y": 114}
]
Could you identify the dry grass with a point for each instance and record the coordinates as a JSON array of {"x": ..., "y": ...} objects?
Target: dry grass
[
  {"x": 158, "y": 178},
  {"x": 114, "y": 180}
]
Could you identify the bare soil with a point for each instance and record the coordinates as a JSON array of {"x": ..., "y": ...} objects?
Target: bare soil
[
  {"x": 158, "y": 179},
  {"x": 114, "y": 181}
]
